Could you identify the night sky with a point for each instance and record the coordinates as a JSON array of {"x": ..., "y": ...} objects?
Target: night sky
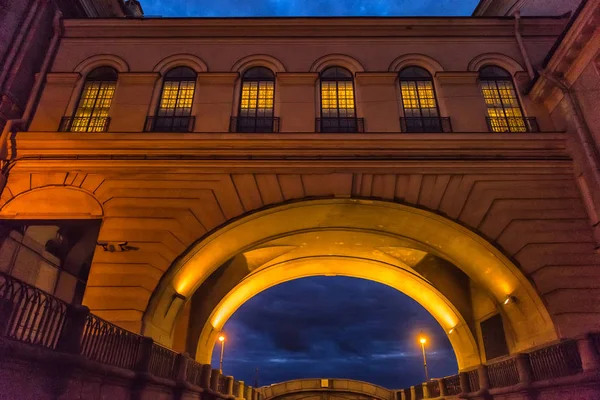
[
  {"x": 295, "y": 8},
  {"x": 331, "y": 327},
  {"x": 334, "y": 327}
]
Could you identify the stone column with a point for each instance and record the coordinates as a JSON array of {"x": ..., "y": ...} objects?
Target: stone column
[
  {"x": 484, "y": 379},
  {"x": 464, "y": 382},
  {"x": 70, "y": 338},
  {"x": 590, "y": 359},
  {"x": 229, "y": 385},
  {"x": 213, "y": 101},
  {"x": 182, "y": 366},
  {"x": 215, "y": 374},
  {"x": 377, "y": 101},
  {"x": 413, "y": 392},
  {"x": 248, "y": 395},
  {"x": 144, "y": 354},
  {"x": 54, "y": 102},
  {"x": 426, "y": 394},
  {"x": 205, "y": 377},
  {"x": 131, "y": 102},
  {"x": 442, "y": 385},
  {"x": 524, "y": 368},
  {"x": 461, "y": 99},
  {"x": 241, "y": 390},
  {"x": 295, "y": 96}
]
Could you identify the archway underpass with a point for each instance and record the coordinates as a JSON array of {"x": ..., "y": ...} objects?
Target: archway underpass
[{"x": 460, "y": 278}]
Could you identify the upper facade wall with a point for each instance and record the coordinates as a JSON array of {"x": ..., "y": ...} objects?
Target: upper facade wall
[{"x": 298, "y": 43}]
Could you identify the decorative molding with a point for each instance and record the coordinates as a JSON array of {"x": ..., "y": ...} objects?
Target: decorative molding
[
  {"x": 297, "y": 78},
  {"x": 102, "y": 60},
  {"x": 337, "y": 60},
  {"x": 181, "y": 60},
  {"x": 217, "y": 78},
  {"x": 139, "y": 78},
  {"x": 258, "y": 60},
  {"x": 419, "y": 60},
  {"x": 62, "y": 78},
  {"x": 457, "y": 78},
  {"x": 498, "y": 59},
  {"x": 376, "y": 78}
]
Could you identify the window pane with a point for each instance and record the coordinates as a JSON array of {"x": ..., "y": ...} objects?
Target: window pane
[
  {"x": 94, "y": 105},
  {"x": 177, "y": 98},
  {"x": 504, "y": 111}
]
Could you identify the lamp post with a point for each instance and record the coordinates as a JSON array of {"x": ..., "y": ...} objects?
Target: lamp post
[
  {"x": 222, "y": 340},
  {"x": 423, "y": 340}
]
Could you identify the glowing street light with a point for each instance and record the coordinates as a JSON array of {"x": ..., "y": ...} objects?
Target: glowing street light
[
  {"x": 423, "y": 340},
  {"x": 222, "y": 340}
]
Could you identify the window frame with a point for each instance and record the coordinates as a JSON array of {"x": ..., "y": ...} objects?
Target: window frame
[
  {"x": 189, "y": 118},
  {"x": 336, "y": 80},
  {"x": 419, "y": 79},
  {"x": 256, "y": 123}
]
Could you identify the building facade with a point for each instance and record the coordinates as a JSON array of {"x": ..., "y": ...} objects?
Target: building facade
[{"x": 188, "y": 164}]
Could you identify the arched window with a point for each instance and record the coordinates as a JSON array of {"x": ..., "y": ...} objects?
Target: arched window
[
  {"x": 256, "y": 102},
  {"x": 174, "y": 113},
  {"x": 91, "y": 114},
  {"x": 338, "y": 112},
  {"x": 421, "y": 113},
  {"x": 503, "y": 107}
]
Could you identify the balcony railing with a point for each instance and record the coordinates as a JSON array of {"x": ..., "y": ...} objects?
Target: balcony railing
[
  {"x": 452, "y": 385},
  {"x": 170, "y": 124},
  {"x": 340, "y": 125},
  {"x": 473, "y": 377},
  {"x": 503, "y": 373},
  {"x": 425, "y": 124},
  {"x": 555, "y": 361},
  {"x": 254, "y": 124},
  {"x": 162, "y": 362},
  {"x": 84, "y": 124},
  {"x": 512, "y": 124}
]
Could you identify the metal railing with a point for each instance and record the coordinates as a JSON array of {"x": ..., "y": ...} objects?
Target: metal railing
[
  {"x": 29, "y": 314},
  {"x": 340, "y": 125},
  {"x": 473, "y": 377},
  {"x": 194, "y": 373},
  {"x": 512, "y": 124},
  {"x": 503, "y": 373},
  {"x": 425, "y": 124},
  {"x": 452, "y": 385},
  {"x": 84, "y": 124},
  {"x": 433, "y": 387},
  {"x": 170, "y": 124},
  {"x": 562, "y": 359},
  {"x": 162, "y": 362},
  {"x": 109, "y": 344},
  {"x": 254, "y": 124}
]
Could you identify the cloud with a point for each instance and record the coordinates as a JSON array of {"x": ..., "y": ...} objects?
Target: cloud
[
  {"x": 293, "y": 8},
  {"x": 333, "y": 327}
]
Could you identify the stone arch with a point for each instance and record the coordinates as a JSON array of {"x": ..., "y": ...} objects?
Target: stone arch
[
  {"x": 181, "y": 60},
  {"x": 497, "y": 59},
  {"x": 341, "y": 60},
  {"x": 60, "y": 202},
  {"x": 528, "y": 321},
  {"x": 419, "y": 60},
  {"x": 102, "y": 60},
  {"x": 258, "y": 60}
]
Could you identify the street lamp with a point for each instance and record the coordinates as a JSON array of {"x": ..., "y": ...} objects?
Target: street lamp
[
  {"x": 222, "y": 340},
  {"x": 423, "y": 340}
]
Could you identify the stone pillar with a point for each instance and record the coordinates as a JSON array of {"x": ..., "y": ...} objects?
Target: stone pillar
[
  {"x": 426, "y": 394},
  {"x": 461, "y": 99},
  {"x": 131, "y": 102},
  {"x": 484, "y": 379},
  {"x": 240, "y": 393},
  {"x": 442, "y": 385},
  {"x": 213, "y": 101},
  {"x": 205, "y": 377},
  {"x": 215, "y": 374},
  {"x": 524, "y": 368},
  {"x": 248, "y": 395},
  {"x": 70, "y": 338},
  {"x": 295, "y": 97},
  {"x": 464, "y": 382},
  {"x": 54, "y": 101},
  {"x": 413, "y": 392},
  {"x": 377, "y": 101},
  {"x": 229, "y": 385},
  {"x": 181, "y": 365},
  {"x": 144, "y": 354},
  {"x": 590, "y": 359}
]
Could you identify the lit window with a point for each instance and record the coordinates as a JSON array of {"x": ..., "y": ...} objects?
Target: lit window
[
  {"x": 256, "y": 101},
  {"x": 503, "y": 107},
  {"x": 421, "y": 112},
  {"x": 91, "y": 114},
  {"x": 338, "y": 112},
  {"x": 175, "y": 106}
]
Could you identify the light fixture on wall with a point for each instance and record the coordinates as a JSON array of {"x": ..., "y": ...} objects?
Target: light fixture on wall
[
  {"x": 510, "y": 299},
  {"x": 116, "y": 246}
]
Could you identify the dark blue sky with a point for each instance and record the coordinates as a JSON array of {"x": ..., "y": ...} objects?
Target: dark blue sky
[
  {"x": 334, "y": 327},
  {"x": 294, "y": 8}
]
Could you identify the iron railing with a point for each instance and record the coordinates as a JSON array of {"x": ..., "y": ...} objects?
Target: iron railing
[
  {"x": 29, "y": 314},
  {"x": 433, "y": 387},
  {"x": 503, "y": 373},
  {"x": 84, "y": 124},
  {"x": 473, "y": 377},
  {"x": 222, "y": 384},
  {"x": 194, "y": 373},
  {"x": 162, "y": 362},
  {"x": 452, "y": 385},
  {"x": 254, "y": 124},
  {"x": 562, "y": 359},
  {"x": 419, "y": 392},
  {"x": 512, "y": 124},
  {"x": 425, "y": 124},
  {"x": 109, "y": 344},
  {"x": 170, "y": 124},
  {"x": 340, "y": 125}
]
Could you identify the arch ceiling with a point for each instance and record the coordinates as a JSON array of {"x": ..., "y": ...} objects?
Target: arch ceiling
[{"x": 374, "y": 240}]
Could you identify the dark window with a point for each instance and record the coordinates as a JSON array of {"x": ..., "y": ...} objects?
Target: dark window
[
  {"x": 494, "y": 340},
  {"x": 503, "y": 107},
  {"x": 256, "y": 101},
  {"x": 92, "y": 110}
]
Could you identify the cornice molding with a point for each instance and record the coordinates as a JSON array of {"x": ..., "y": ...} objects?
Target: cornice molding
[
  {"x": 376, "y": 78},
  {"x": 139, "y": 77},
  {"x": 457, "y": 77},
  {"x": 62, "y": 78},
  {"x": 217, "y": 78},
  {"x": 297, "y": 78}
]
